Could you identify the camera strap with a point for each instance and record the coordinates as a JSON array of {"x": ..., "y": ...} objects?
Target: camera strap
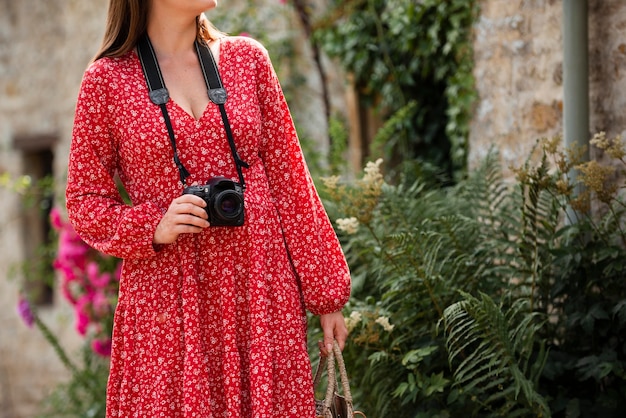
[{"x": 160, "y": 96}]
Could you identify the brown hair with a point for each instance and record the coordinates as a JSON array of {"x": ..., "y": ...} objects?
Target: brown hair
[{"x": 127, "y": 21}]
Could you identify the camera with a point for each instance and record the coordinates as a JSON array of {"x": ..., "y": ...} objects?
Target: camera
[{"x": 224, "y": 201}]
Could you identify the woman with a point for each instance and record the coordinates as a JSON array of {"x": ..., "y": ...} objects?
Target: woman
[{"x": 211, "y": 319}]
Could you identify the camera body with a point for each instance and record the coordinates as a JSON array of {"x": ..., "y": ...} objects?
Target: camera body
[{"x": 224, "y": 201}]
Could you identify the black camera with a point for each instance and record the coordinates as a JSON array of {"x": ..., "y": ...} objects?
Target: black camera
[{"x": 224, "y": 201}]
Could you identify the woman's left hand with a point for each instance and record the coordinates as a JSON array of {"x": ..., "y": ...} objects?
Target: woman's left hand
[{"x": 334, "y": 327}]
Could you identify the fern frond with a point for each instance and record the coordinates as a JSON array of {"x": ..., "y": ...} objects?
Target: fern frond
[
  {"x": 540, "y": 212},
  {"x": 389, "y": 136},
  {"x": 491, "y": 353},
  {"x": 485, "y": 191}
]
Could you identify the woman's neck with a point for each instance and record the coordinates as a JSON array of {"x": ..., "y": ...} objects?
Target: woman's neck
[{"x": 171, "y": 35}]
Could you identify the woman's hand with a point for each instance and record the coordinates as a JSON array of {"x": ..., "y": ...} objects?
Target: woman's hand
[
  {"x": 186, "y": 215},
  {"x": 334, "y": 327}
]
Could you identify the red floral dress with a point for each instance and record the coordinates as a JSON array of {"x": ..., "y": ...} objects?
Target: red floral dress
[{"x": 214, "y": 324}]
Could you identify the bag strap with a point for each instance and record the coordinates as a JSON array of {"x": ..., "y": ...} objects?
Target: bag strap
[
  {"x": 328, "y": 363},
  {"x": 343, "y": 374},
  {"x": 160, "y": 96}
]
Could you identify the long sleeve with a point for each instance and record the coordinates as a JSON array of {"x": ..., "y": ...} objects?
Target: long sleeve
[
  {"x": 311, "y": 241},
  {"x": 95, "y": 208}
]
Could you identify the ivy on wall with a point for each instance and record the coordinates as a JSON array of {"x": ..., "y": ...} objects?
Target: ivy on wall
[{"x": 412, "y": 63}]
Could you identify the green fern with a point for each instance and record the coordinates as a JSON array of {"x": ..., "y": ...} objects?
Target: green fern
[
  {"x": 488, "y": 199},
  {"x": 423, "y": 260},
  {"x": 493, "y": 357},
  {"x": 540, "y": 212},
  {"x": 485, "y": 191},
  {"x": 392, "y": 135}
]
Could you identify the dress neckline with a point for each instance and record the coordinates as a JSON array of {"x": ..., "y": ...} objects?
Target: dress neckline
[{"x": 173, "y": 102}]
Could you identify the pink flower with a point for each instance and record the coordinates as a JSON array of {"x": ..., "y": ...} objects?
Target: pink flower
[
  {"x": 118, "y": 272},
  {"x": 87, "y": 283},
  {"x": 82, "y": 323},
  {"x": 55, "y": 219},
  {"x": 102, "y": 346},
  {"x": 100, "y": 304},
  {"x": 71, "y": 248},
  {"x": 97, "y": 280},
  {"x": 25, "y": 312},
  {"x": 66, "y": 270},
  {"x": 81, "y": 314},
  {"x": 65, "y": 286}
]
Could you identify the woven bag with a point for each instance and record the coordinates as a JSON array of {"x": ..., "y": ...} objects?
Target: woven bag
[{"x": 334, "y": 405}]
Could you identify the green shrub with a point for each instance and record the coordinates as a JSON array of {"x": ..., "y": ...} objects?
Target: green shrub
[
  {"x": 411, "y": 62},
  {"x": 503, "y": 298}
]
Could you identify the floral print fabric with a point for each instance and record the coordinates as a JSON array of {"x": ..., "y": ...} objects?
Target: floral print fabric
[{"x": 214, "y": 324}]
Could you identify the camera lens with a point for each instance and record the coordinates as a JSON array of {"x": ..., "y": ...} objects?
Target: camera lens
[{"x": 228, "y": 205}]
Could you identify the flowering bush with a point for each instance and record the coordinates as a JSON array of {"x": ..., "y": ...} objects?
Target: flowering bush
[
  {"x": 489, "y": 298},
  {"x": 358, "y": 200},
  {"x": 89, "y": 282}
]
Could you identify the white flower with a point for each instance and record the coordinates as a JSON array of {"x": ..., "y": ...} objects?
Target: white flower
[
  {"x": 356, "y": 316},
  {"x": 348, "y": 225},
  {"x": 330, "y": 182},
  {"x": 384, "y": 322},
  {"x": 353, "y": 320},
  {"x": 372, "y": 172}
]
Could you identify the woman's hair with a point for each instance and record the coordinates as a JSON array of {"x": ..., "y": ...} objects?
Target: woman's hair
[{"x": 127, "y": 21}]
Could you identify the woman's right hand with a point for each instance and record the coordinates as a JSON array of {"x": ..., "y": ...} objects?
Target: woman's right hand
[{"x": 186, "y": 215}]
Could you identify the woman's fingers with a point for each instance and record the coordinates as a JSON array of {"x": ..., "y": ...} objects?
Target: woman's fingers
[
  {"x": 189, "y": 204},
  {"x": 334, "y": 327},
  {"x": 185, "y": 215}
]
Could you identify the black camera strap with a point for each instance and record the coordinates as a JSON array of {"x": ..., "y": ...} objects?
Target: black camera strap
[
  {"x": 217, "y": 94},
  {"x": 160, "y": 96}
]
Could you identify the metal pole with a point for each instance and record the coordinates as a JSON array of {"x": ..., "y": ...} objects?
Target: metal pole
[{"x": 576, "y": 77}]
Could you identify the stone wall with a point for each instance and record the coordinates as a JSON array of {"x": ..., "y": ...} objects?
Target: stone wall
[{"x": 518, "y": 69}]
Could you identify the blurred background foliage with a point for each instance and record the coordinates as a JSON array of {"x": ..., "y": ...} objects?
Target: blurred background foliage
[{"x": 411, "y": 63}]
